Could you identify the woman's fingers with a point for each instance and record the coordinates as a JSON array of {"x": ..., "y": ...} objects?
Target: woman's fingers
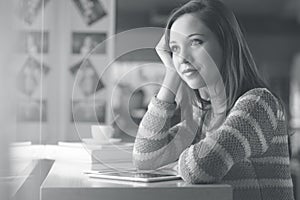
[{"x": 164, "y": 53}]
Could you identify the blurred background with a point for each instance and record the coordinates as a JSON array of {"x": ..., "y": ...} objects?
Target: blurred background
[{"x": 69, "y": 64}]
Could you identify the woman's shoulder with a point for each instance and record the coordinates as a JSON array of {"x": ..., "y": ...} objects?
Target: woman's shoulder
[
  {"x": 261, "y": 96},
  {"x": 259, "y": 93},
  {"x": 260, "y": 102}
]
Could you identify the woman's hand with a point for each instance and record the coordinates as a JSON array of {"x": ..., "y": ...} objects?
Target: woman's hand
[
  {"x": 164, "y": 52},
  {"x": 171, "y": 80}
]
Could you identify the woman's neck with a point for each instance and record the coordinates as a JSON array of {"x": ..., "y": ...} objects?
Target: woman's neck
[{"x": 216, "y": 94}]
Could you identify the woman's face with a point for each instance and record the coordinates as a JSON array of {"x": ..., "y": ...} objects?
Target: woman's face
[{"x": 196, "y": 52}]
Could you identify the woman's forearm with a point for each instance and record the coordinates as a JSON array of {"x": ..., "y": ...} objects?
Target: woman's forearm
[{"x": 169, "y": 86}]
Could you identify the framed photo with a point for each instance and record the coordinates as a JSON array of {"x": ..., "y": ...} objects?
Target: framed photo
[
  {"x": 32, "y": 110},
  {"x": 88, "y": 110},
  {"x": 90, "y": 10},
  {"x": 33, "y": 42},
  {"x": 84, "y": 43},
  {"x": 29, "y": 9},
  {"x": 87, "y": 80},
  {"x": 29, "y": 76}
]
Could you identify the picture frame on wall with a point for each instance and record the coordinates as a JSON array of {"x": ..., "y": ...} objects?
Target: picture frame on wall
[
  {"x": 28, "y": 80},
  {"x": 88, "y": 42},
  {"x": 32, "y": 110},
  {"x": 91, "y": 10},
  {"x": 28, "y": 10},
  {"x": 33, "y": 42},
  {"x": 87, "y": 80},
  {"x": 88, "y": 110},
  {"x": 88, "y": 86}
]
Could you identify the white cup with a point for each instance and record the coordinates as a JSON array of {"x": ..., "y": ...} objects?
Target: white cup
[{"x": 102, "y": 132}]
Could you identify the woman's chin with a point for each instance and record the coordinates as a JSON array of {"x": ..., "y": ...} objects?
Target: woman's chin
[{"x": 195, "y": 84}]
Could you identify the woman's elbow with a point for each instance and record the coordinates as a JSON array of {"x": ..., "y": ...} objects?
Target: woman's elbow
[
  {"x": 141, "y": 164},
  {"x": 194, "y": 174},
  {"x": 192, "y": 178}
]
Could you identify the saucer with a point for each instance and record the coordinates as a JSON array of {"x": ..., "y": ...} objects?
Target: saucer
[{"x": 91, "y": 141}]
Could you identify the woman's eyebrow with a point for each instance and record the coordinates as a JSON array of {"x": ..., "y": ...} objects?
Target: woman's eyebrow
[{"x": 193, "y": 34}]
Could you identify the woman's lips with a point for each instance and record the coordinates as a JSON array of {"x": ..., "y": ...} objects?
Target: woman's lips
[{"x": 188, "y": 71}]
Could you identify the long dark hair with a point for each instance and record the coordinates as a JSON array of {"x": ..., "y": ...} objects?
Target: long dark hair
[{"x": 238, "y": 70}]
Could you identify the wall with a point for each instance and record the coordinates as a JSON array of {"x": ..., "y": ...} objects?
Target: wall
[{"x": 65, "y": 74}]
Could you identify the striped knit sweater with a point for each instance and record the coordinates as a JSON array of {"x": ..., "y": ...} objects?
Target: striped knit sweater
[{"x": 248, "y": 151}]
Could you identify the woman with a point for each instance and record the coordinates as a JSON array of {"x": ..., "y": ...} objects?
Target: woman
[{"x": 233, "y": 128}]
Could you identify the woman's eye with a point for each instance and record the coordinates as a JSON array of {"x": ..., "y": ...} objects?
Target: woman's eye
[
  {"x": 196, "y": 42},
  {"x": 174, "y": 49}
]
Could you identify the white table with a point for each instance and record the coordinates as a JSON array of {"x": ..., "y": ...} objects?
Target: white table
[{"x": 66, "y": 181}]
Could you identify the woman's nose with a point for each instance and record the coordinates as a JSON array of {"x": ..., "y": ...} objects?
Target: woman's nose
[{"x": 183, "y": 56}]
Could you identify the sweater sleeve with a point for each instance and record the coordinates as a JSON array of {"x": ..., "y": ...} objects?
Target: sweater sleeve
[
  {"x": 246, "y": 132},
  {"x": 157, "y": 143}
]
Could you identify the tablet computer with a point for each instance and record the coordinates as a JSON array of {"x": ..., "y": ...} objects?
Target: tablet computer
[{"x": 135, "y": 176}]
